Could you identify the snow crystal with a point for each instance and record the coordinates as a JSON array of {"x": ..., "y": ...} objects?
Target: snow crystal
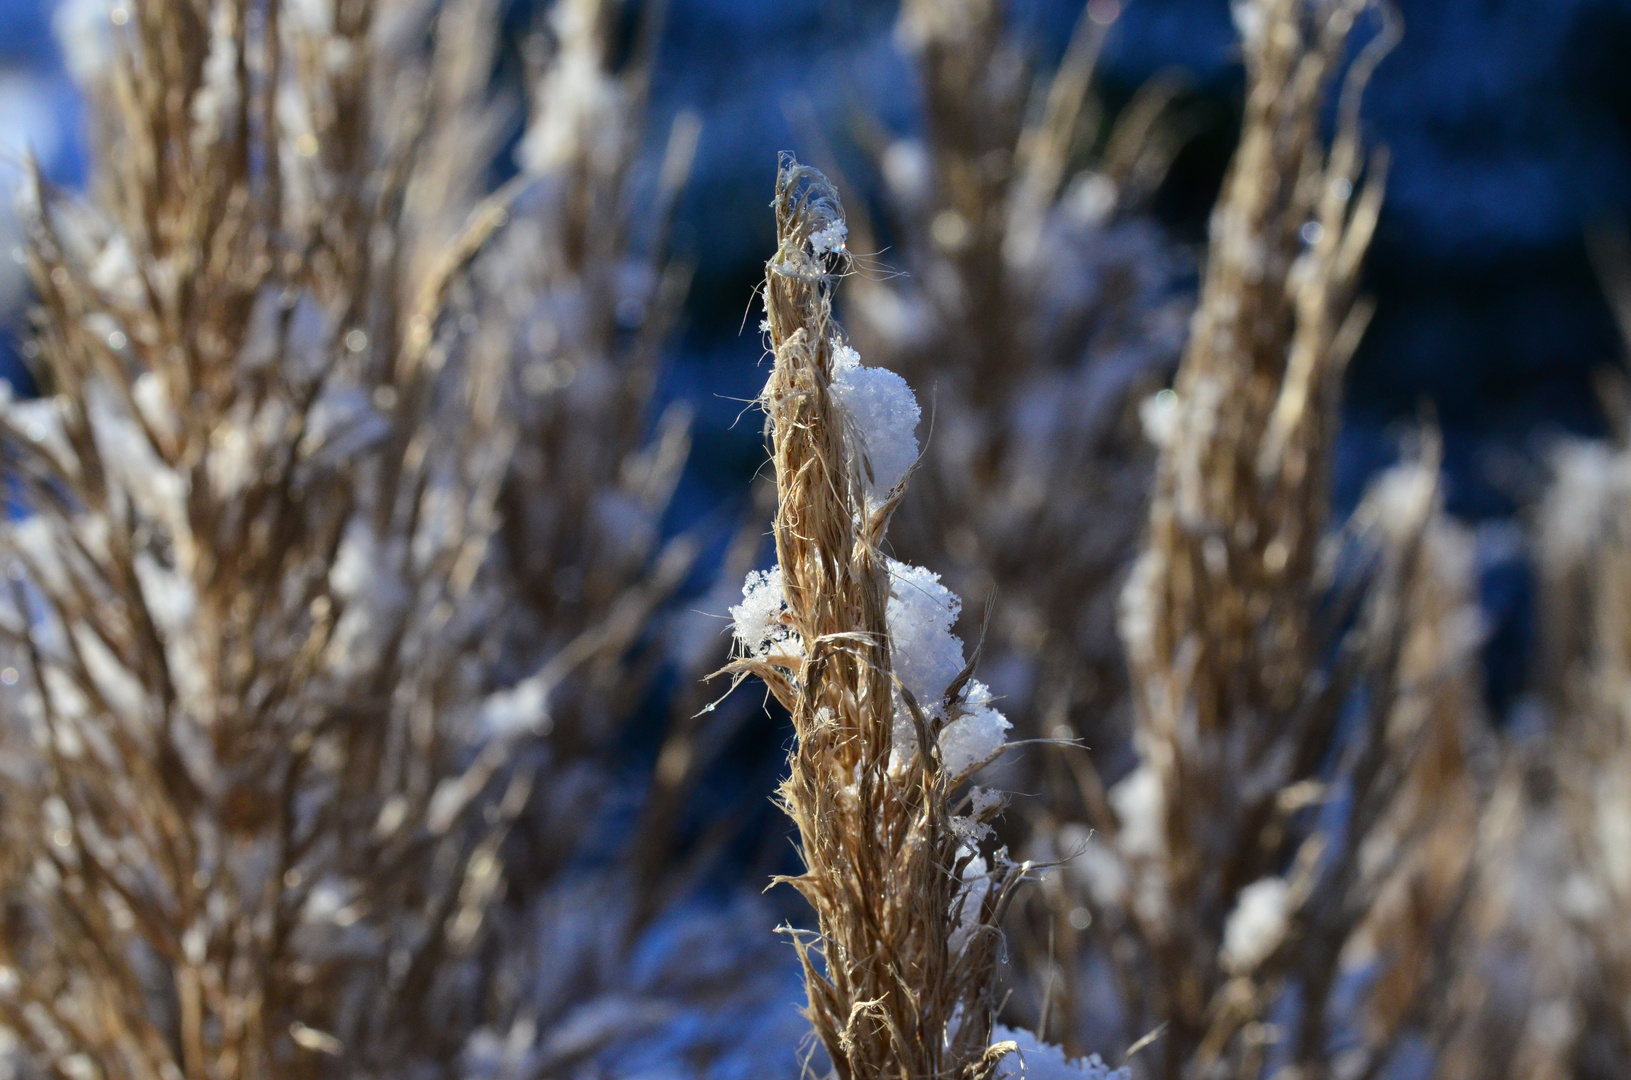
[
  {"x": 1256, "y": 926},
  {"x": 1137, "y": 605},
  {"x": 1614, "y": 832},
  {"x": 760, "y": 620},
  {"x": 114, "y": 682},
  {"x": 983, "y": 800},
  {"x": 1588, "y": 477},
  {"x": 885, "y": 414},
  {"x": 974, "y": 828},
  {"x": 152, "y": 400},
  {"x": 168, "y": 596},
  {"x": 520, "y": 708},
  {"x": 829, "y": 238},
  {"x": 1249, "y": 20},
  {"x": 1037, "y": 1060},
  {"x": 1403, "y": 498},
  {"x": 157, "y": 489},
  {"x": 366, "y": 576},
  {"x": 36, "y": 539},
  {"x": 975, "y": 737},
  {"x": 925, "y": 654},
  {"x": 233, "y": 463},
  {"x": 926, "y": 657},
  {"x": 113, "y": 270},
  {"x": 1158, "y": 414},
  {"x": 1090, "y": 198},
  {"x": 40, "y": 421},
  {"x": 217, "y": 98},
  {"x": 356, "y": 562},
  {"x": 976, "y": 885}
]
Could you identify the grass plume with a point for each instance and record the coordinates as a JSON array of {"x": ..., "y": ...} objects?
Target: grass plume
[{"x": 901, "y": 971}]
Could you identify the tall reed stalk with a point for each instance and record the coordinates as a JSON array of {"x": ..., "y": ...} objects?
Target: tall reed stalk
[
  {"x": 259, "y": 494},
  {"x": 271, "y": 705},
  {"x": 1038, "y": 304},
  {"x": 1217, "y": 886},
  {"x": 888, "y": 721}
]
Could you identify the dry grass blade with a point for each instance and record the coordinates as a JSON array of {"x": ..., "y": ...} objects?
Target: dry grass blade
[{"x": 260, "y": 498}]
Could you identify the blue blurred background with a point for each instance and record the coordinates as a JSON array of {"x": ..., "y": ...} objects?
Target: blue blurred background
[{"x": 1507, "y": 124}]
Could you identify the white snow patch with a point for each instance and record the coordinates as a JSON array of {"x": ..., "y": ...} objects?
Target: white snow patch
[
  {"x": 1137, "y": 802},
  {"x": 975, "y": 737},
  {"x": 1256, "y": 926},
  {"x": 761, "y": 621},
  {"x": 1037, "y": 1060},
  {"x": 885, "y": 415},
  {"x": 925, "y": 654},
  {"x": 829, "y": 238}
]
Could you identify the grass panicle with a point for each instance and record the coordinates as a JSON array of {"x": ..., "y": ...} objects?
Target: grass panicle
[
  {"x": 286, "y": 678},
  {"x": 901, "y": 970}
]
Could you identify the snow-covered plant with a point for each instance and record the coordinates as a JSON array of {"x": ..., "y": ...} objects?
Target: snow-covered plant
[
  {"x": 1248, "y": 852},
  {"x": 273, "y": 657},
  {"x": 1585, "y": 547},
  {"x": 1220, "y": 615},
  {"x": 889, "y": 722},
  {"x": 1379, "y": 881},
  {"x": 1038, "y": 305},
  {"x": 248, "y": 580}
]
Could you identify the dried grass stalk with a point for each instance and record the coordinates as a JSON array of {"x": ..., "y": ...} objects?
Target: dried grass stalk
[
  {"x": 1037, "y": 307},
  {"x": 1378, "y": 888},
  {"x": 901, "y": 972},
  {"x": 583, "y": 296},
  {"x": 258, "y": 770},
  {"x": 1543, "y": 986},
  {"x": 1219, "y": 618},
  {"x": 1216, "y": 891}
]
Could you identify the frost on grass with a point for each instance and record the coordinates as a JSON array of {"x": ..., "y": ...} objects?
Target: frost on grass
[
  {"x": 887, "y": 731},
  {"x": 926, "y": 656},
  {"x": 760, "y": 621},
  {"x": 885, "y": 414},
  {"x": 829, "y": 238},
  {"x": 976, "y": 736}
]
